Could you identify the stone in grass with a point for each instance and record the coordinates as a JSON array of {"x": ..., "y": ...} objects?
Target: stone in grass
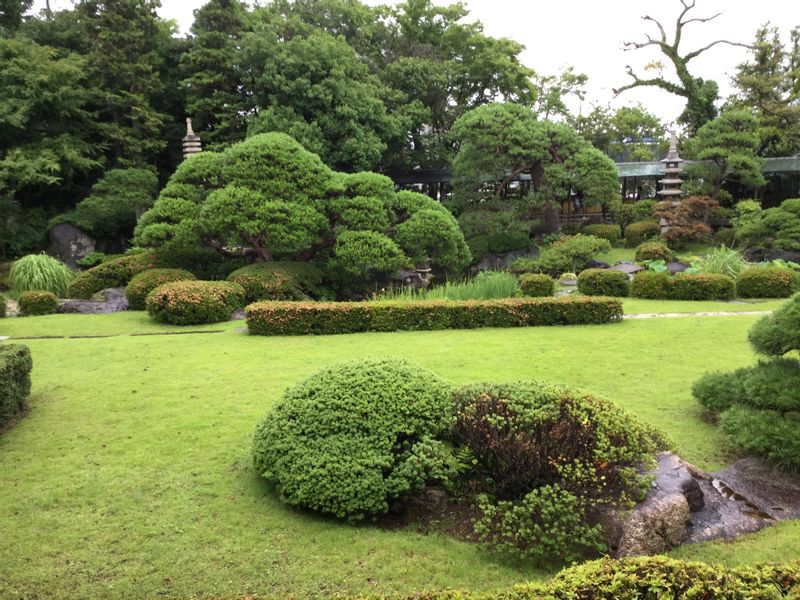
[{"x": 107, "y": 301}]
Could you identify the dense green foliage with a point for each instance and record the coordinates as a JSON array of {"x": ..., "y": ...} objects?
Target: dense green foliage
[
  {"x": 536, "y": 284},
  {"x": 626, "y": 134},
  {"x": 486, "y": 285},
  {"x": 145, "y": 282},
  {"x": 639, "y": 232},
  {"x": 501, "y": 228},
  {"x": 194, "y": 302},
  {"x": 777, "y": 227},
  {"x": 651, "y": 285},
  {"x": 603, "y": 282},
  {"x": 654, "y": 250},
  {"x": 318, "y": 456},
  {"x": 281, "y": 280},
  {"x": 545, "y": 457},
  {"x": 2, "y": 306},
  {"x": 767, "y": 282},
  {"x": 15, "y": 380},
  {"x": 683, "y": 286},
  {"x": 722, "y": 260},
  {"x": 778, "y": 333},
  {"x": 302, "y": 318},
  {"x": 612, "y": 233},
  {"x": 37, "y": 303},
  {"x": 570, "y": 254},
  {"x": 116, "y": 272},
  {"x": 40, "y": 272}
]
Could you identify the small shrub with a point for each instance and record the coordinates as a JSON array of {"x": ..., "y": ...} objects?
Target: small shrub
[
  {"x": 725, "y": 237},
  {"x": 354, "y": 436},
  {"x": 767, "y": 282},
  {"x": 641, "y": 231},
  {"x": 570, "y": 253},
  {"x": 654, "y": 251},
  {"x": 145, "y": 282},
  {"x": 278, "y": 281},
  {"x": 764, "y": 433},
  {"x": 2, "y": 306},
  {"x": 93, "y": 259},
  {"x": 536, "y": 284},
  {"x": 612, "y": 233},
  {"x": 702, "y": 286},
  {"x": 478, "y": 247},
  {"x": 523, "y": 265},
  {"x": 778, "y": 333},
  {"x": 204, "y": 263},
  {"x": 718, "y": 391},
  {"x": 37, "y": 303},
  {"x": 604, "y": 282},
  {"x": 651, "y": 285},
  {"x": 39, "y": 272},
  {"x": 194, "y": 302},
  {"x": 15, "y": 380},
  {"x": 113, "y": 273}
]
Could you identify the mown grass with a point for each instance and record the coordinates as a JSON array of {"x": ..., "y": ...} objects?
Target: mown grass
[{"x": 131, "y": 475}]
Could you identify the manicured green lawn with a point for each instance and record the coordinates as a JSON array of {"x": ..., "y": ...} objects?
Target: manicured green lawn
[
  {"x": 637, "y": 305},
  {"x": 131, "y": 475}
]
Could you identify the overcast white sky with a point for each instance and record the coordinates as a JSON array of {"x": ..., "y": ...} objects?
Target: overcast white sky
[{"x": 589, "y": 34}]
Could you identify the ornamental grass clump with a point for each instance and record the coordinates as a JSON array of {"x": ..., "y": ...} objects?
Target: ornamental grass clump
[
  {"x": 355, "y": 436},
  {"x": 40, "y": 272},
  {"x": 194, "y": 302}
]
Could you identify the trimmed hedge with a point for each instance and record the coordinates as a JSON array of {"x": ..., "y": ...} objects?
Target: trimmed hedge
[
  {"x": 654, "y": 251},
  {"x": 612, "y": 233},
  {"x": 194, "y": 302},
  {"x": 145, "y": 282},
  {"x": 767, "y": 282},
  {"x": 651, "y": 285},
  {"x": 702, "y": 286},
  {"x": 113, "y": 273},
  {"x": 641, "y": 231},
  {"x": 37, "y": 303},
  {"x": 326, "y": 318},
  {"x": 15, "y": 380},
  {"x": 604, "y": 282},
  {"x": 283, "y": 280},
  {"x": 536, "y": 284}
]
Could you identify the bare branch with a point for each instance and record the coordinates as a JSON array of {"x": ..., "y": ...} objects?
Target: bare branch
[
  {"x": 655, "y": 81},
  {"x": 699, "y": 51},
  {"x": 699, "y": 20},
  {"x": 660, "y": 27}
]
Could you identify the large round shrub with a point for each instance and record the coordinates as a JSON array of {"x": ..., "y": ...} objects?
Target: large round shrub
[
  {"x": 39, "y": 272},
  {"x": 353, "y": 436},
  {"x": 544, "y": 456},
  {"x": 651, "y": 285},
  {"x": 113, "y": 273},
  {"x": 767, "y": 282},
  {"x": 536, "y": 284},
  {"x": 35, "y": 303},
  {"x": 194, "y": 302},
  {"x": 278, "y": 280},
  {"x": 641, "y": 231},
  {"x": 702, "y": 286},
  {"x": 604, "y": 282},
  {"x": 145, "y": 282},
  {"x": 657, "y": 250}
]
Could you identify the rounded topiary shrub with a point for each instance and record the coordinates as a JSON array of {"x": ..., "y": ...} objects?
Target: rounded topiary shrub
[
  {"x": 778, "y": 333},
  {"x": 604, "y": 282},
  {"x": 612, "y": 233},
  {"x": 536, "y": 284},
  {"x": 110, "y": 274},
  {"x": 194, "y": 302},
  {"x": 544, "y": 456},
  {"x": 145, "y": 282},
  {"x": 651, "y": 285},
  {"x": 37, "y": 303},
  {"x": 654, "y": 251},
  {"x": 702, "y": 286},
  {"x": 354, "y": 436},
  {"x": 767, "y": 282},
  {"x": 641, "y": 231},
  {"x": 278, "y": 280}
]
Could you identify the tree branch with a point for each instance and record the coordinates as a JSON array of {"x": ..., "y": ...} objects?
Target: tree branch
[
  {"x": 699, "y": 51},
  {"x": 656, "y": 81}
]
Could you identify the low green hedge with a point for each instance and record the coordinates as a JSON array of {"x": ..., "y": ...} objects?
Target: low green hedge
[
  {"x": 324, "y": 318},
  {"x": 612, "y": 233},
  {"x": 194, "y": 302},
  {"x": 35, "y": 303},
  {"x": 536, "y": 284},
  {"x": 282, "y": 280},
  {"x": 651, "y": 285},
  {"x": 654, "y": 251},
  {"x": 696, "y": 286},
  {"x": 604, "y": 282},
  {"x": 145, "y": 282},
  {"x": 641, "y": 231},
  {"x": 767, "y": 282},
  {"x": 15, "y": 380}
]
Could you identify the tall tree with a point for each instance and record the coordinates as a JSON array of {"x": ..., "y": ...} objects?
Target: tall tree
[
  {"x": 11, "y": 12},
  {"x": 630, "y": 133},
  {"x": 701, "y": 95}
]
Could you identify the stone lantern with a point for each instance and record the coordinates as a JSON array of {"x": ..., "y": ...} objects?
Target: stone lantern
[{"x": 191, "y": 142}]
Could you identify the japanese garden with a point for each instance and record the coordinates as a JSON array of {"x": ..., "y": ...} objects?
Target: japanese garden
[{"x": 331, "y": 298}]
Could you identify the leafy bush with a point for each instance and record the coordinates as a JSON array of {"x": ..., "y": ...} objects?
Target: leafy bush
[
  {"x": 39, "y": 272},
  {"x": 651, "y": 285},
  {"x": 773, "y": 228},
  {"x": 15, "y": 380},
  {"x": 93, "y": 259},
  {"x": 654, "y": 250},
  {"x": 702, "y": 286},
  {"x": 523, "y": 265},
  {"x": 324, "y": 318},
  {"x": 767, "y": 282},
  {"x": 570, "y": 253},
  {"x": 725, "y": 237},
  {"x": 624, "y": 214},
  {"x": 353, "y": 436},
  {"x": 764, "y": 433},
  {"x": 145, "y": 282},
  {"x": 604, "y": 282},
  {"x": 545, "y": 455},
  {"x": 113, "y": 273},
  {"x": 478, "y": 247},
  {"x": 536, "y": 284},
  {"x": 641, "y": 231},
  {"x": 204, "y": 263},
  {"x": 718, "y": 391},
  {"x": 2, "y": 306},
  {"x": 778, "y": 333},
  {"x": 687, "y": 219},
  {"x": 612, "y": 233},
  {"x": 360, "y": 256},
  {"x": 194, "y": 302},
  {"x": 278, "y": 281},
  {"x": 37, "y": 303},
  {"x": 722, "y": 260}
]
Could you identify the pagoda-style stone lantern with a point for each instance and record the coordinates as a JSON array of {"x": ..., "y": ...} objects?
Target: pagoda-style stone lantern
[
  {"x": 191, "y": 143},
  {"x": 671, "y": 184}
]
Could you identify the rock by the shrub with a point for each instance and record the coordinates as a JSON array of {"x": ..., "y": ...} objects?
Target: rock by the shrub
[
  {"x": 596, "y": 264},
  {"x": 496, "y": 262},
  {"x": 69, "y": 244},
  {"x": 676, "y": 267},
  {"x": 107, "y": 301},
  {"x": 629, "y": 268},
  {"x": 655, "y": 526},
  {"x": 768, "y": 254}
]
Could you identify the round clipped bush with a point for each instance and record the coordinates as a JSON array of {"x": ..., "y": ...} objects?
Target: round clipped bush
[
  {"x": 354, "y": 436},
  {"x": 778, "y": 333},
  {"x": 651, "y": 285},
  {"x": 767, "y": 282},
  {"x": 702, "y": 286},
  {"x": 765, "y": 433},
  {"x": 653, "y": 251},
  {"x": 612, "y": 233},
  {"x": 536, "y": 284},
  {"x": 39, "y": 272},
  {"x": 604, "y": 282},
  {"x": 282, "y": 280},
  {"x": 641, "y": 231},
  {"x": 194, "y": 302},
  {"x": 145, "y": 282},
  {"x": 112, "y": 273},
  {"x": 37, "y": 303}
]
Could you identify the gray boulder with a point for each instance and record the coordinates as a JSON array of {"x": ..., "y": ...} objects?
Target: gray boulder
[
  {"x": 656, "y": 526},
  {"x": 69, "y": 244},
  {"x": 107, "y": 301}
]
